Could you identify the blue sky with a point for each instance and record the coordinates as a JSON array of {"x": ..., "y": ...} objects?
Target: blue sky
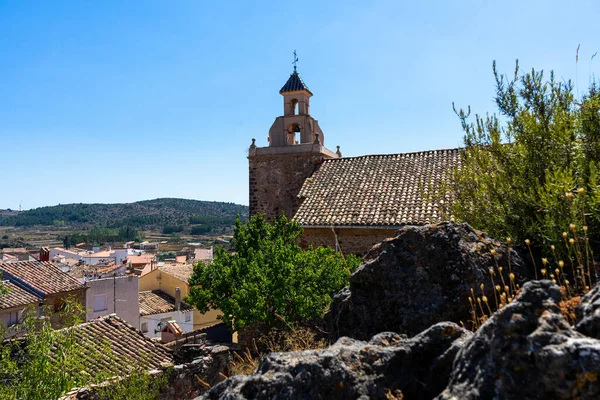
[{"x": 118, "y": 101}]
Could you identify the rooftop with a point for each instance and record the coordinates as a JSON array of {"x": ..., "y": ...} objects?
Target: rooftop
[
  {"x": 158, "y": 302},
  {"x": 294, "y": 83},
  {"x": 126, "y": 342},
  {"x": 378, "y": 190},
  {"x": 183, "y": 272},
  {"x": 16, "y": 296},
  {"x": 41, "y": 276}
]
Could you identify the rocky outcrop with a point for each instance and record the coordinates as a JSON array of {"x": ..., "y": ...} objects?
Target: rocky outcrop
[
  {"x": 416, "y": 279},
  {"x": 388, "y": 366},
  {"x": 527, "y": 350},
  {"x": 588, "y": 313}
]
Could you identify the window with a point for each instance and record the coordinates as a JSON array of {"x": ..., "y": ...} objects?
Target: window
[
  {"x": 294, "y": 107},
  {"x": 13, "y": 318},
  {"x": 100, "y": 302},
  {"x": 188, "y": 317},
  {"x": 59, "y": 305},
  {"x": 144, "y": 327}
]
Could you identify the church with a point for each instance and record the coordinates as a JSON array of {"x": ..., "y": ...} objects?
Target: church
[{"x": 347, "y": 203}]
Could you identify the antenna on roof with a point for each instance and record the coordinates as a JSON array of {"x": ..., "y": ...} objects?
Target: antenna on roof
[{"x": 295, "y": 60}]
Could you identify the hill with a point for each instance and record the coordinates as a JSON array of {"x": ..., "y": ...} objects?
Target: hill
[{"x": 168, "y": 215}]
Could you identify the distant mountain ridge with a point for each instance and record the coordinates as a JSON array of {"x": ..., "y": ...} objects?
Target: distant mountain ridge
[{"x": 146, "y": 214}]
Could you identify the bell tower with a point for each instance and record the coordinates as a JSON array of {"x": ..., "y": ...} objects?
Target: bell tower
[{"x": 295, "y": 150}]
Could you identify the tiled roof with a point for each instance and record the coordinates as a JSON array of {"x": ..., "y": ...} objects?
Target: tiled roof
[
  {"x": 42, "y": 276},
  {"x": 141, "y": 259},
  {"x": 378, "y": 190},
  {"x": 127, "y": 343},
  {"x": 294, "y": 83},
  {"x": 203, "y": 254},
  {"x": 16, "y": 296},
  {"x": 183, "y": 272},
  {"x": 158, "y": 302}
]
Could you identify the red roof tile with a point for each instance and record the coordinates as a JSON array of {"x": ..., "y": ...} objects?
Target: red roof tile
[
  {"x": 378, "y": 190},
  {"x": 16, "y": 296},
  {"x": 158, "y": 302},
  {"x": 42, "y": 276}
]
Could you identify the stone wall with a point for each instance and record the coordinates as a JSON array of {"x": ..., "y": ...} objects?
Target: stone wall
[
  {"x": 275, "y": 182},
  {"x": 351, "y": 240}
]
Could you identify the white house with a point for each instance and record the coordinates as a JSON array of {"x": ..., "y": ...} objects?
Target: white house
[
  {"x": 58, "y": 252},
  {"x": 157, "y": 308},
  {"x": 115, "y": 295}
]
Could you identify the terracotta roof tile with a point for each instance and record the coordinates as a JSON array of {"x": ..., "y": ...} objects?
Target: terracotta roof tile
[
  {"x": 378, "y": 190},
  {"x": 183, "y": 272},
  {"x": 127, "y": 343},
  {"x": 16, "y": 296},
  {"x": 158, "y": 302},
  {"x": 42, "y": 276}
]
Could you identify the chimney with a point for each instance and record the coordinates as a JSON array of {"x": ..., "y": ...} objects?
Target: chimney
[
  {"x": 177, "y": 298},
  {"x": 44, "y": 254}
]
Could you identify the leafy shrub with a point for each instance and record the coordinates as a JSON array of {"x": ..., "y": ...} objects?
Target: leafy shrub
[
  {"x": 517, "y": 167},
  {"x": 269, "y": 278}
]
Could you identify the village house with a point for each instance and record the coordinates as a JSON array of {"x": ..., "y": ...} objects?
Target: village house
[
  {"x": 158, "y": 308},
  {"x": 169, "y": 278},
  {"x": 13, "y": 303},
  {"x": 60, "y": 253},
  {"x": 45, "y": 282},
  {"x": 149, "y": 245},
  {"x": 204, "y": 255},
  {"x": 115, "y": 295},
  {"x": 347, "y": 203}
]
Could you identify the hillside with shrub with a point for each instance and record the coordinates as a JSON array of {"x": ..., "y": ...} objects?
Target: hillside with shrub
[{"x": 172, "y": 215}]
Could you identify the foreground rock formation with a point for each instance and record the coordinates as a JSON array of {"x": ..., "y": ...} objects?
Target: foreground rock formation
[
  {"x": 527, "y": 350},
  {"x": 387, "y": 365},
  {"x": 416, "y": 279}
]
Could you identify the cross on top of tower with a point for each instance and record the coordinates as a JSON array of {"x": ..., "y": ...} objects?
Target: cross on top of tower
[{"x": 295, "y": 60}]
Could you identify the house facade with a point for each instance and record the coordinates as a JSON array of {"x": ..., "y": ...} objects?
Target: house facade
[
  {"x": 46, "y": 282},
  {"x": 116, "y": 295},
  {"x": 13, "y": 303},
  {"x": 158, "y": 308},
  {"x": 170, "y": 277},
  {"x": 347, "y": 203}
]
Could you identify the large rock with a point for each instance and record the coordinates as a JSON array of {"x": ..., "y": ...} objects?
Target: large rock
[
  {"x": 418, "y": 278},
  {"x": 527, "y": 350},
  {"x": 386, "y": 366},
  {"x": 588, "y": 313}
]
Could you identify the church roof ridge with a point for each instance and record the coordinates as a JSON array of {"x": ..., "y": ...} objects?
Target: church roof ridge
[{"x": 294, "y": 83}]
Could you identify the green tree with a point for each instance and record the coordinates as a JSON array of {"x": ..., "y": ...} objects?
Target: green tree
[
  {"x": 269, "y": 277},
  {"x": 521, "y": 169}
]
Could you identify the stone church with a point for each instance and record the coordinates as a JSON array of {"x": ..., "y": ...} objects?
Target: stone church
[{"x": 350, "y": 203}]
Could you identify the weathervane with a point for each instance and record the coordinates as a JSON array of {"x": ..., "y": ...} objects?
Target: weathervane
[{"x": 295, "y": 60}]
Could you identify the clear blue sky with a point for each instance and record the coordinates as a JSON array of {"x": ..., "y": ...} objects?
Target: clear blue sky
[{"x": 118, "y": 101}]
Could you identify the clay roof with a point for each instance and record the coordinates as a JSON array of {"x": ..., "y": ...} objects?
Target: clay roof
[
  {"x": 294, "y": 83},
  {"x": 16, "y": 296},
  {"x": 183, "y": 272},
  {"x": 41, "y": 276},
  {"x": 127, "y": 343},
  {"x": 100, "y": 254},
  {"x": 203, "y": 254},
  {"x": 378, "y": 190},
  {"x": 158, "y": 302},
  {"x": 141, "y": 259}
]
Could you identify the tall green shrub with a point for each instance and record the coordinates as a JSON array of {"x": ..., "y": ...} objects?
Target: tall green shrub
[
  {"x": 521, "y": 169},
  {"x": 269, "y": 278}
]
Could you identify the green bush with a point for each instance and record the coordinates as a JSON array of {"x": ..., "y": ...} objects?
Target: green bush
[
  {"x": 518, "y": 167},
  {"x": 269, "y": 278}
]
